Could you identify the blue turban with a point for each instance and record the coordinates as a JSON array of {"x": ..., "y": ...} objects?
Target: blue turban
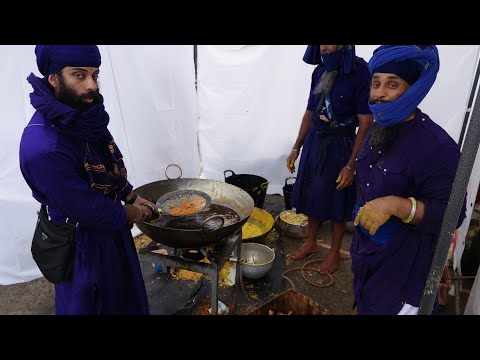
[
  {"x": 408, "y": 70},
  {"x": 394, "y": 112},
  {"x": 53, "y": 58}
]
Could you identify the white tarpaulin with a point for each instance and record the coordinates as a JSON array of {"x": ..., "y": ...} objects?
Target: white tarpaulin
[{"x": 251, "y": 99}]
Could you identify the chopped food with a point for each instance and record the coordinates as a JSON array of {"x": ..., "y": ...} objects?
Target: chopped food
[
  {"x": 250, "y": 230},
  {"x": 181, "y": 274},
  {"x": 223, "y": 276},
  {"x": 141, "y": 241},
  {"x": 293, "y": 218},
  {"x": 271, "y": 312}
]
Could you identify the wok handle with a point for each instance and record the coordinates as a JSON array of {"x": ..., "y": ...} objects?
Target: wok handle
[
  {"x": 225, "y": 173},
  {"x": 179, "y": 168},
  {"x": 289, "y": 178},
  {"x": 213, "y": 217},
  {"x": 155, "y": 215}
]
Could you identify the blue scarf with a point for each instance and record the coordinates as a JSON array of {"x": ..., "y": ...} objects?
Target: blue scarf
[
  {"x": 396, "y": 111},
  {"x": 105, "y": 168},
  {"x": 344, "y": 58},
  {"x": 90, "y": 125}
]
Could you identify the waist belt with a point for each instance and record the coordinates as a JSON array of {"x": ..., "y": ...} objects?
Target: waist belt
[{"x": 331, "y": 135}]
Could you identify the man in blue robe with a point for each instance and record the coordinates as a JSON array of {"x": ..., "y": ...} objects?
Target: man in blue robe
[
  {"x": 405, "y": 173},
  {"x": 337, "y": 105},
  {"x": 73, "y": 166}
]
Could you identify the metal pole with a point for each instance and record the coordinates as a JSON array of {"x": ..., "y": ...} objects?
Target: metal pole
[
  {"x": 455, "y": 202},
  {"x": 470, "y": 102}
]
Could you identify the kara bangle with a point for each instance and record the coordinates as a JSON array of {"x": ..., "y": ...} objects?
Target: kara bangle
[
  {"x": 295, "y": 150},
  {"x": 348, "y": 167},
  {"x": 412, "y": 212},
  {"x": 132, "y": 199}
]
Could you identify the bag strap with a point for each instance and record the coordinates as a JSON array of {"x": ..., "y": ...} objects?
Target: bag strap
[{"x": 44, "y": 215}]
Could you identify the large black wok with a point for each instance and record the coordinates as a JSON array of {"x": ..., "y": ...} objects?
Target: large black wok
[{"x": 220, "y": 192}]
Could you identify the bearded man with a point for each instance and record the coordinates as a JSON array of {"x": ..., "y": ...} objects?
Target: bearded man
[
  {"x": 71, "y": 163},
  {"x": 325, "y": 185}
]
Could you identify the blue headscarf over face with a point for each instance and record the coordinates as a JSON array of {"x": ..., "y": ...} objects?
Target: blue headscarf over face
[
  {"x": 398, "y": 59},
  {"x": 53, "y": 58},
  {"x": 345, "y": 58}
]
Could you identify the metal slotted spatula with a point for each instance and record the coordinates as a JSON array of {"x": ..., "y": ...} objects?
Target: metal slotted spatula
[{"x": 183, "y": 202}]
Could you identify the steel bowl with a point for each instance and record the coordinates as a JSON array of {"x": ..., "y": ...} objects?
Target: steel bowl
[
  {"x": 292, "y": 229},
  {"x": 256, "y": 260}
]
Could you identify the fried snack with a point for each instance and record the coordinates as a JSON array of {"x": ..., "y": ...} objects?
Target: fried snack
[{"x": 188, "y": 207}]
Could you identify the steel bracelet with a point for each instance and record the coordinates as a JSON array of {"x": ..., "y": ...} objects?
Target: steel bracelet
[{"x": 412, "y": 212}]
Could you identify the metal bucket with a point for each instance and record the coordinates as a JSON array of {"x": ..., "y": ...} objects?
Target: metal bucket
[
  {"x": 256, "y": 186},
  {"x": 287, "y": 192}
]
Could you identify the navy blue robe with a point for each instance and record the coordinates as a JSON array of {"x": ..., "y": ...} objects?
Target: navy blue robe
[
  {"x": 422, "y": 163},
  {"x": 325, "y": 155},
  {"x": 107, "y": 278}
]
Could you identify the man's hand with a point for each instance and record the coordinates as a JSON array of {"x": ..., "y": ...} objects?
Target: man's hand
[
  {"x": 291, "y": 161},
  {"x": 345, "y": 178},
  {"x": 153, "y": 208},
  {"x": 373, "y": 215}
]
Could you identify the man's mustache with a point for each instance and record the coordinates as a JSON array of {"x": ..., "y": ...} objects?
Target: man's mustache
[
  {"x": 378, "y": 101},
  {"x": 95, "y": 95}
]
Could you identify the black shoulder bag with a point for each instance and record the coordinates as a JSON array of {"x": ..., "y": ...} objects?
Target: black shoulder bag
[{"x": 53, "y": 248}]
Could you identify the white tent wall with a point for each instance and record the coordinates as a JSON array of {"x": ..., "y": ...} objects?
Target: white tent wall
[
  {"x": 251, "y": 99},
  {"x": 154, "y": 88},
  {"x": 17, "y": 207},
  {"x": 150, "y": 96}
]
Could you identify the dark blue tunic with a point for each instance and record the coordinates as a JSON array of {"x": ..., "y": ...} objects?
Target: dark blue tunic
[
  {"x": 421, "y": 163},
  {"x": 107, "y": 278},
  {"x": 326, "y": 150}
]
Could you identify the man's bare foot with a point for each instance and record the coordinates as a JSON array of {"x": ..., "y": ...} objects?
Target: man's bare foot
[
  {"x": 304, "y": 251},
  {"x": 330, "y": 264}
]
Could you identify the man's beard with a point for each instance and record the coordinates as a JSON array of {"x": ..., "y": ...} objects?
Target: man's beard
[
  {"x": 326, "y": 82},
  {"x": 383, "y": 137},
  {"x": 69, "y": 97}
]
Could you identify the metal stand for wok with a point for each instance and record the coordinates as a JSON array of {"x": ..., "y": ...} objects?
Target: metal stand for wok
[{"x": 221, "y": 253}]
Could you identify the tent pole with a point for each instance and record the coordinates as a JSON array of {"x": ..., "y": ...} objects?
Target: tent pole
[
  {"x": 452, "y": 213},
  {"x": 470, "y": 102}
]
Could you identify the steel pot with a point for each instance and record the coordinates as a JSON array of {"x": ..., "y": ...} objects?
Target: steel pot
[
  {"x": 297, "y": 229},
  {"x": 182, "y": 235}
]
